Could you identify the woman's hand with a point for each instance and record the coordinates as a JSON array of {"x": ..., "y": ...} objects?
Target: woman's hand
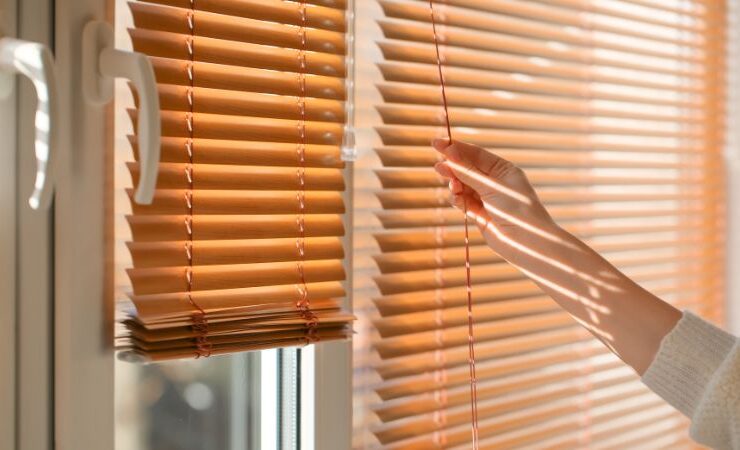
[{"x": 495, "y": 192}]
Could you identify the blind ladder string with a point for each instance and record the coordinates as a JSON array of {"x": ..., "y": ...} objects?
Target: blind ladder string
[
  {"x": 440, "y": 372},
  {"x": 586, "y": 405},
  {"x": 468, "y": 284},
  {"x": 303, "y": 304},
  {"x": 199, "y": 319}
]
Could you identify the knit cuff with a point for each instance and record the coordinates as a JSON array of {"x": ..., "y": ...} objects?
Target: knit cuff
[{"x": 687, "y": 358}]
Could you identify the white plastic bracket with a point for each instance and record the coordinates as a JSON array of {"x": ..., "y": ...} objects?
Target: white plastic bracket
[
  {"x": 349, "y": 150},
  {"x": 102, "y": 63},
  {"x": 35, "y": 62}
]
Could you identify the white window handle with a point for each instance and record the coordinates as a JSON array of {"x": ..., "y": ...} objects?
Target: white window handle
[
  {"x": 34, "y": 61},
  {"x": 101, "y": 64}
]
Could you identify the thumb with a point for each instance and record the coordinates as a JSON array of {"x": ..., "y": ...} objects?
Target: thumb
[{"x": 440, "y": 144}]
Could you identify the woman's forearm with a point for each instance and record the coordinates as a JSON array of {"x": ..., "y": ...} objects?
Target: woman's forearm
[
  {"x": 627, "y": 318},
  {"x": 515, "y": 223}
]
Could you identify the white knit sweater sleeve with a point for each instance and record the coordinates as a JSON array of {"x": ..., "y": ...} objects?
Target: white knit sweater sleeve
[{"x": 697, "y": 370}]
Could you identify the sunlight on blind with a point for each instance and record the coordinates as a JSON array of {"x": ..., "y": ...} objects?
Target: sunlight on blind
[
  {"x": 614, "y": 110},
  {"x": 246, "y": 228}
]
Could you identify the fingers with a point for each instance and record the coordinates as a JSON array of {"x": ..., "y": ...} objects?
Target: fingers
[
  {"x": 472, "y": 178},
  {"x": 463, "y": 197},
  {"x": 458, "y": 188},
  {"x": 471, "y": 205},
  {"x": 444, "y": 170},
  {"x": 473, "y": 157},
  {"x": 485, "y": 172},
  {"x": 455, "y": 185}
]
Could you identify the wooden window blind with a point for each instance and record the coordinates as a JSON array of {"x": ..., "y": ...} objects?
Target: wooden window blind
[
  {"x": 242, "y": 247},
  {"x": 615, "y": 111}
]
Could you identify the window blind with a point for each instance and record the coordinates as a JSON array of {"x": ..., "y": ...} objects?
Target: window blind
[
  {"x": 615, "y": 111},
  {"x": 242, "y": 247}
]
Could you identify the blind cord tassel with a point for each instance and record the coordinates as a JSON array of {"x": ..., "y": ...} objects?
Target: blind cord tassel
[{"x": 468, "y": 284}]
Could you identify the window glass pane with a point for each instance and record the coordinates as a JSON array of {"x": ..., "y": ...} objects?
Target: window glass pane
[{"x": 185, "y": 405}]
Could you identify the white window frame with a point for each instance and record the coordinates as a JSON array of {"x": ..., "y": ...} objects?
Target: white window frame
[
  {"x": 8, "y": 112},
  {"x": 732, "y": 159},
  {"x": 83, "y": 359},
  {"x": 84, "y": 365},
  {"x": 26, "y": 278}
]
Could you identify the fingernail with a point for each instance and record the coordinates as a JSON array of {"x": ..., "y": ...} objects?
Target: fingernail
[
  {"x": 454, "y": 153},
  {"x": 442, "y": 169},
  {"x": 439, "y": 143}
]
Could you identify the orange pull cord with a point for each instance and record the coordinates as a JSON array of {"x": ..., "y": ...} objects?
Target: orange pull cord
[{"x": 468, "y": 284}]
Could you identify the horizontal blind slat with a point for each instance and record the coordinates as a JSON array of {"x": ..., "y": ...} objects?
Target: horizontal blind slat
[
  {"x": 248, "y": 153},
  {"x": 150, "y": 228},
  {"x": 490, "y": 119},
  {"x": 223, "y": 102},
  {"x": 217, "y": 51},
  {"x": 410, "y": 156},
  {"x": 450, "y": 217},
  {"x": 171, "y": 306},
  {"x": 479, "y": 254},
  {"x": 417, "y": 240},
  {"x": 423, "y": 73},
  {"x": 223, "y": 127},
  {"x": 220, "y": 26},
  {"x": 173, "y": 176},
  {"x": 173, "y": 279},
  {"x": 497, "y": 99},
  {"x": 218, "y": 76},
  {"x": 327, "y": 14},
  {"x": 175, "y": 202},
  {"x": 172, "y": 253}
]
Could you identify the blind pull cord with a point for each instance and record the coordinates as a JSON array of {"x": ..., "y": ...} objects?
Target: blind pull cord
[
  {"x": 468, "y": 284},
  {"x": 304, "y": 303},
  {"x": 200, "y": 321}
]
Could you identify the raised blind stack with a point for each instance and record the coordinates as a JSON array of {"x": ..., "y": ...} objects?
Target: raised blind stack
[{"x": 216, "y": 256}]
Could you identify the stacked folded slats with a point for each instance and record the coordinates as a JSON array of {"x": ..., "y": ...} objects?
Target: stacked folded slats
[{"x": 216, "y": 255}]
